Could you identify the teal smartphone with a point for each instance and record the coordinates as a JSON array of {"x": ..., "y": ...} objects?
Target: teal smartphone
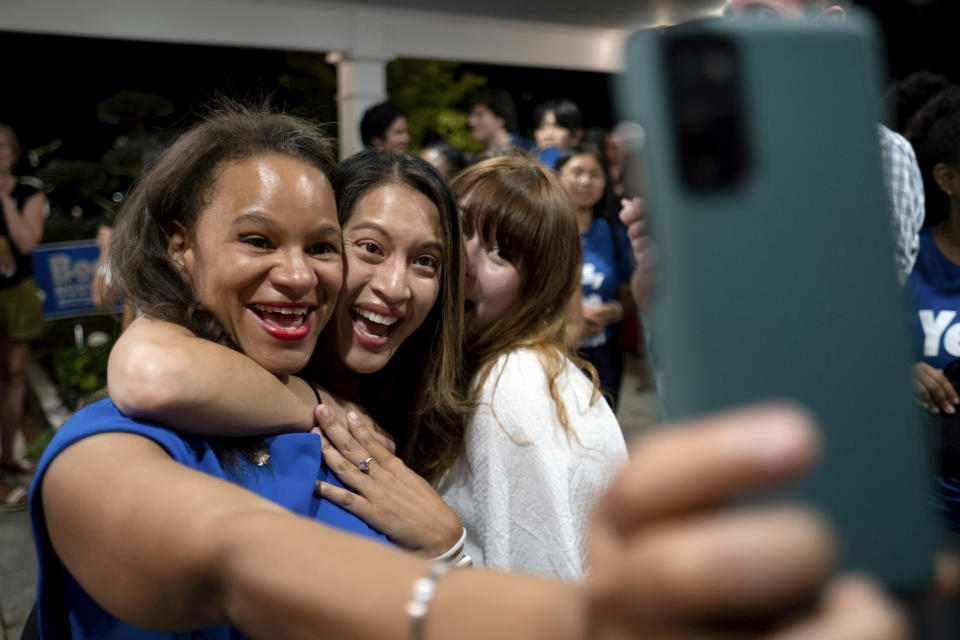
[{"x": 766, "y": 201}]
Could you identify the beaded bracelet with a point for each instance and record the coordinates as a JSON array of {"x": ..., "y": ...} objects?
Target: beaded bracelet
[{"x": 423, "y": 590}]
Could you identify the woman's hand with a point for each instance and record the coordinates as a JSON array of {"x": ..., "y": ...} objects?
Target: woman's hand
[
  {"x": 665, "y": 562},
  {"x": 388, "y": 496},
  {"x": 934, "y": 392},
  {"x": 339, "y": 409},
  {"x": 596, "y": 317}
]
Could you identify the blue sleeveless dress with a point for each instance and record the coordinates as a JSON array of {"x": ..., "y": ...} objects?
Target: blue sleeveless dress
[{"x": 287, "y": 478}]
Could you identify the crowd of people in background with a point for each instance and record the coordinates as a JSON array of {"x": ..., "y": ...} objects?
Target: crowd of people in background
[{"x": 590, "y": 167}]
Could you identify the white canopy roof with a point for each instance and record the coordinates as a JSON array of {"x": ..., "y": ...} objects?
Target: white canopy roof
[{"x": 563, "y": 34}]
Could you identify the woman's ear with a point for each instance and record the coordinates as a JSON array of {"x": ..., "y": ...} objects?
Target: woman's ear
[
  {"x": 180, "y": 247},
  {"x": 946, "y": 178}
]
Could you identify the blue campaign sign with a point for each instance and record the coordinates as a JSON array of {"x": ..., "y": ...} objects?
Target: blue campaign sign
[{"x": 64, "y": 272}]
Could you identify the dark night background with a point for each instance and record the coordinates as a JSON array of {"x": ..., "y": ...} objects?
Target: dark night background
[{"x": 53, "y": 83}]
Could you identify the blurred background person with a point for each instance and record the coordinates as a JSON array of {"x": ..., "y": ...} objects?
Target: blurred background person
[
  {"x": 493, "y": 119},
  {"x": 613, "y": 152},
  {"x": 445, "y": 158},
  {"x": 912, "y": 96},
  {"x": 385, "y": 125},
  {"x": 558, "y": 126},
  {"x": 103, "y": 291},
  {"x": 21, "y": 310},
  {"x": 607, "y": 265},
  {"x": 934, "y": 284}
]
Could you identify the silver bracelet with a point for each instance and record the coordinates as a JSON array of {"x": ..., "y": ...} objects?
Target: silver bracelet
[{"x": 419, "y": 605}]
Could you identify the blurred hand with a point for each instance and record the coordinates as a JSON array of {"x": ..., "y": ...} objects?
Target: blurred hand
[
  {"x": 934, "y": 392},
  {"x": 595, "y": 319},
  {"x": 644, "y": 252},
  {"x": 103, "y": 237},
  {"x": 664, "y": 559}
]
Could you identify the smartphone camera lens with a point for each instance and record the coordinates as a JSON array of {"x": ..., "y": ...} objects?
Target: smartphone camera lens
[
  {"x": 718, "y": 67},
  {"x": 707, "y": 107}
]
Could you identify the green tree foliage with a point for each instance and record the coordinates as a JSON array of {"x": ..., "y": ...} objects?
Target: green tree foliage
[
  {"x": 433, "y": 92},
  {"x": 314, "y": 82},
  {"x": 85, "y": 193}
]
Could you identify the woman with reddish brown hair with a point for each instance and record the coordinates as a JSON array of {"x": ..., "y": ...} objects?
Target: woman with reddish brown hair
[{"x": 542, "y": 443}]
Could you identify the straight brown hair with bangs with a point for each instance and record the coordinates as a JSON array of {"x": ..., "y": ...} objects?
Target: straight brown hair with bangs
[{"x": 520, "y": 206}]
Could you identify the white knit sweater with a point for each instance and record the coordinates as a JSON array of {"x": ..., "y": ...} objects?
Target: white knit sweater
[{"x": 523, "y": 485}]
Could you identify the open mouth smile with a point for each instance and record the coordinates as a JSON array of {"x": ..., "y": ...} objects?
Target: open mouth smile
[
  {"x": 373, "y": 328},
  {"x": 284, "y": 321}
]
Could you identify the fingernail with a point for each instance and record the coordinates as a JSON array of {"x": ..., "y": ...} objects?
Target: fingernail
[
  {"x": 317, "y": 431},
  {"x": 352, "y": 415},
  {"x": 950, "y": 410},
  {"x": 782, "y": 441},
  {"x": 322, "y": 411}
]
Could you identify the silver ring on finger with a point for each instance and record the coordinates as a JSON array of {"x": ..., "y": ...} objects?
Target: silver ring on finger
[{"x": 365, "y": 464}]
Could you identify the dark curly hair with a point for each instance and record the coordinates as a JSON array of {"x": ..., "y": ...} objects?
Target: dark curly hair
[
  {"x": 910, "y": 97},
  {"x": 936, "y": 141}
]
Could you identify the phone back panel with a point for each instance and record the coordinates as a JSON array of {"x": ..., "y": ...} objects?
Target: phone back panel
[{"x": 783, "y": 287}]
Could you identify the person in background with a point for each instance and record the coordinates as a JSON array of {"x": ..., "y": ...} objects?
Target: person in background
[
  {"x": 21, "y": 310},
  {"x": 103, "y": 293},
  {"x": 934, "y": 284},
  {"x": 910, "y": 98},
  {"x": 905, "y": 188},
  {"x": 447, "y": 159},
  {"x": 385, "y": 125},
  {"x": 558, "y": 126},
  {"x": 613, "y": 152},
  {"x": 493, "y": 120},
  {"x": 607, "y": 265}
]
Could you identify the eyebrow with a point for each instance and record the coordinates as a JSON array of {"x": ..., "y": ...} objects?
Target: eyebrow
[
  {"x": 270, "y": 222},
  {"x": 255, "y": 218},
  {"x": 373, "y": 226}
]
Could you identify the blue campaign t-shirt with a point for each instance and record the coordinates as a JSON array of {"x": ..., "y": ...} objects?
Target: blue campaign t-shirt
[
  {"x": 933, "y": 288},
  {"x": 603, "y": 270},
  {"x": 286, "y": 477}
]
